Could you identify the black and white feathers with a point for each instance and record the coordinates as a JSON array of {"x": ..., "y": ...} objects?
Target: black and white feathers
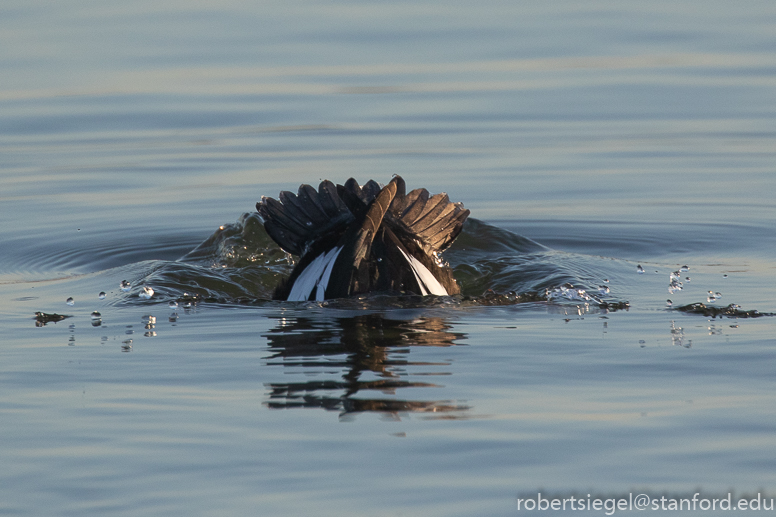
[{"x": 353, "y": 239}]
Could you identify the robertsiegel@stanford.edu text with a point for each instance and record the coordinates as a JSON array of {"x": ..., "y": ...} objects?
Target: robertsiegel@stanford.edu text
[{"x": 641, "y": 501}]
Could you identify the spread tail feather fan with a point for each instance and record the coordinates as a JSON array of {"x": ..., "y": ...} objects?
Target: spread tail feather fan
[{"x": 352, "y": 239}]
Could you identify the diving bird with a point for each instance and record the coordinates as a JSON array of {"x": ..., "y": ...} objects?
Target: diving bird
[{"x": 353, "y": 239}]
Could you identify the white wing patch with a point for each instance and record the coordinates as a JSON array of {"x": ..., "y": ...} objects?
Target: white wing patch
[
  {"x": 427, "y": 282},
  {"x": 315, "y": 276}
]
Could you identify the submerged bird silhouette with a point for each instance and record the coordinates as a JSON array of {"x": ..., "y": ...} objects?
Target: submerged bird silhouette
[{"x": 353, "y": 239}]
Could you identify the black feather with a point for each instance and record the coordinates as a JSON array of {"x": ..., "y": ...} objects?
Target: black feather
[{"x": 376, "y": 227}]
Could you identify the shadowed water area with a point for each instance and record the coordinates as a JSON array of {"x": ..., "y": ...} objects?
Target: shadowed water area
[{"x": 615, "y": 328}]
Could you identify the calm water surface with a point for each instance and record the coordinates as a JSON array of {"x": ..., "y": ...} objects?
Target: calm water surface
[{"x": 586, "y": 139}]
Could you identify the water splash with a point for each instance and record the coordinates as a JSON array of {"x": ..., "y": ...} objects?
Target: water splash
[
  {"x": 674, "y": 282},
  {"x": 569, "y": 292},
  {"x": 240, "y": 264}
]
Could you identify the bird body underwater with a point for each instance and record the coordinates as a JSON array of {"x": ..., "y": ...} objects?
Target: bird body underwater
[{"x": 353, "y": 239}]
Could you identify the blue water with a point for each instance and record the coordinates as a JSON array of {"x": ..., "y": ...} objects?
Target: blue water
[{"x": 586, "y": 139}]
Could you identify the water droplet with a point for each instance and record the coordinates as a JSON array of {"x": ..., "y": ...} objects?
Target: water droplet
[
  {"x": 125, "y": 286},
  {"x": 641, "y": 341},
  {"x": 687, "y": 278},
  {"x": 606, "y": 280},
  {"x": 96, "y": 315},
  {"x": 684, "y": 268},
  {"x": 102, "y": 295},
  {"x": 70, "y": 301},
  {"x": 669, "y": 302},
  {"x": 149, "y": 320},
  {"x": 639, "y": 269},
  {"x": 146, "y": 293},
  {"x": 724, "y": 276},
  {"x": 718, "y": 295},
  {"x": 309, "y": 223},
  {"x": 187, "y": 305},
  {"x": 674, "y": 282},
  {"x": 603, "y": 289},
  {"x": 173, "y": 304},
  {"x": 711, "y": 298}
]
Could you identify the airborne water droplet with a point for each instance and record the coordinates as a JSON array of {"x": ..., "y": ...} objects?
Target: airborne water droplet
[
  {"x": 639, "y": 269},
  {"x": 102, "y": 295},
  {"x": 173, "y": 304},
  {"x": 70, "y": 301},
  {"x": 674, "y": 282},
  {"x": 125, "y": 285},
  {"x": 146, "y": 293},
  {"x": 669, "y": 303},
  {"x": 96, "y": 315}
]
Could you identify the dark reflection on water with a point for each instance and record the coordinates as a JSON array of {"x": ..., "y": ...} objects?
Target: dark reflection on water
[{"x": 360, "y": 347}]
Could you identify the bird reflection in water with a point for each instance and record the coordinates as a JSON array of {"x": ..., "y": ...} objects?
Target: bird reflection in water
[{"x": 352, "y": 356}]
